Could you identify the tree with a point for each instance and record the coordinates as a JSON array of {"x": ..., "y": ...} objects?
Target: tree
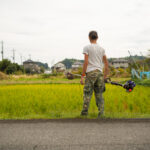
[
  {"x": 4, "y": 64},
  {"x": 7, "y": 67},
  {"x": 12, "y": 68},
  {"x": 44, "y": 65}
]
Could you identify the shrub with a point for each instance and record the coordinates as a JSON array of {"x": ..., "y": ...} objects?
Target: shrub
[
  {"x": 44, "y": 76},
  {"x": 121, "y": 71},
  {"x": 11, "y": 69}
]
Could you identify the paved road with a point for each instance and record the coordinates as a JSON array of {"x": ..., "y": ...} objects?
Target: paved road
[{"x": 75, "y": 135}]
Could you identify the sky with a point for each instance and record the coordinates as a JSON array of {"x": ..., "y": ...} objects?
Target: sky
[{"x": 52, "y": 30}]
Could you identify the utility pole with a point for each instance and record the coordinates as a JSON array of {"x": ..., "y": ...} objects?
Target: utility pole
[
  {"x": 21, "y": 59},
  {"x": 2, "y": 52},
  {"x": 13, "y": 55}
]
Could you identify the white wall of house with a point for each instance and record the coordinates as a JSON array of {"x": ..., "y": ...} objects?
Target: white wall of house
[
  {"x": 59, "y": 67},
  {"x": 76, "y": 65},
  {"x": 120, "y": 64}
]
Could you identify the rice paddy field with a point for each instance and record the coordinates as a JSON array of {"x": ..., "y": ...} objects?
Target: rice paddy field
[{"x": 40, "y": 101}]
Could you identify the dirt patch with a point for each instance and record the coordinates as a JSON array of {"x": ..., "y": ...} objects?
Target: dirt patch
[{"x": 3, "y": 76}]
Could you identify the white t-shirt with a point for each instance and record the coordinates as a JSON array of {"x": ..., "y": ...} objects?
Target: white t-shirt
[{"x": 95, "y": 57}]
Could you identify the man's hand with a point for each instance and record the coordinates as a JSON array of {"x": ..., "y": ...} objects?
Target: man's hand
[{"x": 82, "y": 80}]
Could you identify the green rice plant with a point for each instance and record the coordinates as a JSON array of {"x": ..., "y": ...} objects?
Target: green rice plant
[{"x": 65, "y": 101}]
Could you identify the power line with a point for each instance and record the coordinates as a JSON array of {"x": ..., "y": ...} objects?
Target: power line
[{"x": 13, "y": 55}]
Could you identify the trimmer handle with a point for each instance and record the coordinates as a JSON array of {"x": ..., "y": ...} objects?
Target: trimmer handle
[{"x": 107, "y": 80}]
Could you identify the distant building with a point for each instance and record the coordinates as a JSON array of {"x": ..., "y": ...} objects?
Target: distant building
[
  {"x": 59, "y": 67},
  {"x": 120, "y": 63},
  {"x": 47, "y": 71},
  {"x": 77, "y": 65},
  {"x": 31, "y": 66}
]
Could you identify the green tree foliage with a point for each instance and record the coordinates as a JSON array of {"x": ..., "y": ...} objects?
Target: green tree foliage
[
  {"x": 68, "y": 62},
  {"x": 121, "y": 71},
  {"x": 10, "y": 68},
  {"x": 4, "y": 64},
  {"x": 112, "y": 71},
  {"x": 42, "y": 65}
]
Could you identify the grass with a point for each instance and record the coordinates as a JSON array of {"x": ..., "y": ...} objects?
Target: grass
[
  {"x": 37, "y": 79},
  {"x": 145, "y": 82},
  {"x": 65, "y": 101},
  {"x": 32, "y": 79}
]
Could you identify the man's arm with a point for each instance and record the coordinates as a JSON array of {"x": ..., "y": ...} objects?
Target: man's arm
[
  {"x": 84, "y": 67},
  {"x": 85, "y": 64},
  {"x": 105, "y": 66}
]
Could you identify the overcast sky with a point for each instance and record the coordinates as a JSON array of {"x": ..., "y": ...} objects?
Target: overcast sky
[{"x": 51, "y": 30}]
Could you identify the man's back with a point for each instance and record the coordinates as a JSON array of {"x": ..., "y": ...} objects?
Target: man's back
[{"x": 95, "y": 57}]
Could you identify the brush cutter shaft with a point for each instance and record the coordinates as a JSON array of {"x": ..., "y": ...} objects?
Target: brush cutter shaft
[
  {"x": 115, "y": 83},
  {"x": 108, "y": 80}
]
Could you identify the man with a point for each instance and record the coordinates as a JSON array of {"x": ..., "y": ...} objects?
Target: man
[{"x": 94, "y": 60}]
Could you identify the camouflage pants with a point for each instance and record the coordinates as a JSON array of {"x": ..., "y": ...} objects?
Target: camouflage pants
[{"x": 94, "y": 81}]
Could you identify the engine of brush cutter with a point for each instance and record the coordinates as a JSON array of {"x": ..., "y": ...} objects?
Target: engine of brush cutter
[{"x": 129, "y": 86}]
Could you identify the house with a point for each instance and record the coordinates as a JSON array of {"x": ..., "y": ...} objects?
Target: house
[
  {"x": 76, "y": 65},
  {"x": 31, "y": 66},
  {"x": 120, "y": 63},
  {"x": 59, "y": 67}
]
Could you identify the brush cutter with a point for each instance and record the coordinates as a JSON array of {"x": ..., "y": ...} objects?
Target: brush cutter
[{"x": 129, "y": 85}]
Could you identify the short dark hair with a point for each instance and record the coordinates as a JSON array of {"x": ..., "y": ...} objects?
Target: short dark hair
[{"x": 93, "y": 35}]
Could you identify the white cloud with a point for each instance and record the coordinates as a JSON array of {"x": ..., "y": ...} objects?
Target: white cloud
[{"x": 56, "y": 29}]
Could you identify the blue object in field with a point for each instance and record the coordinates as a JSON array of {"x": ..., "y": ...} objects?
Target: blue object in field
[{"x": 145, "y": 73}]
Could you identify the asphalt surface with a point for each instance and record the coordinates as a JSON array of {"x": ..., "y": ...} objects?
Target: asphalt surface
[{"x": 77, "y": 134}]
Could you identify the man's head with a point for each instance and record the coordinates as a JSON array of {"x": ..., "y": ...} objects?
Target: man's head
[{"x": 93, "y": 36}]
